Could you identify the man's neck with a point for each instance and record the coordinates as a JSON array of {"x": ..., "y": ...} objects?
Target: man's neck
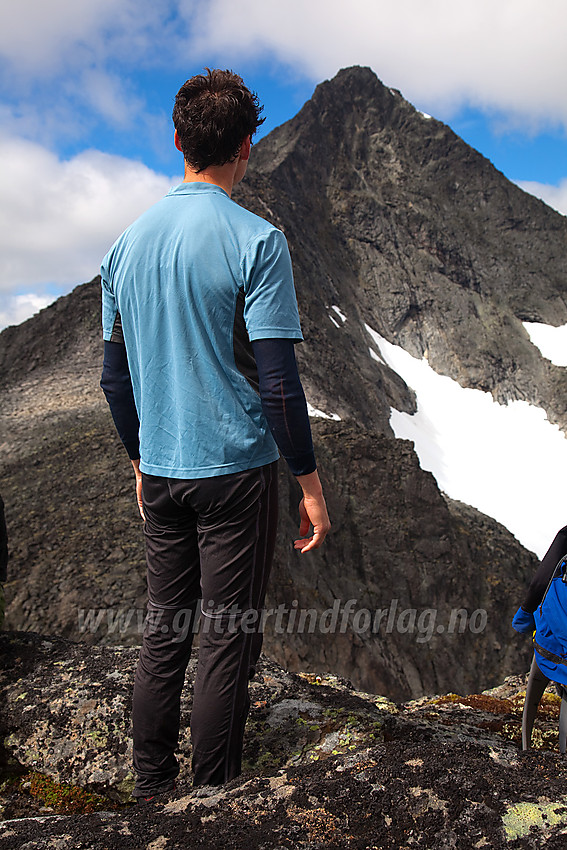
[{"x": 216, "y": 175}]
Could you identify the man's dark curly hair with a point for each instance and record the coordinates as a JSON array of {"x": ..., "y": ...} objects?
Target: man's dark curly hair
[{"x": 213, "y": 114}]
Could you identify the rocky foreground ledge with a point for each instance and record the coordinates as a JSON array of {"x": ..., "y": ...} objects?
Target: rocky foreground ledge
[{"x": 325, "y": 766}]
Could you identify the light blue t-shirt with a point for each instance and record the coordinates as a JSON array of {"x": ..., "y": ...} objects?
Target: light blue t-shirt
[{"x": 194, "y": 280}]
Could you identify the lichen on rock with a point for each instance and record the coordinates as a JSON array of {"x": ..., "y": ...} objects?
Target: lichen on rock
[{"x": 325, "y": 766}]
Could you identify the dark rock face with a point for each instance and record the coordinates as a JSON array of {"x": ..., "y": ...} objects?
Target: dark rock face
[
  {"x": 325, "y": 766},
  {"x": 401, "y": 226},
  {"x": 65, "y": 334},
  {"x": 397, "y": 545}
]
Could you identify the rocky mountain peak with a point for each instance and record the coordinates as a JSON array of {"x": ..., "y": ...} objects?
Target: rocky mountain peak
[
  {"x": 393, "y": 223},
  {"x": 416, "y": 234}
]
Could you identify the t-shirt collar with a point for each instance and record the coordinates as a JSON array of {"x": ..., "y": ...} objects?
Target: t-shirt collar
[{"x": 196, "y": 188}]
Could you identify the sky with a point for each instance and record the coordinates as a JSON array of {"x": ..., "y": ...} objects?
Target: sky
[{"x": 87, "y": 88}]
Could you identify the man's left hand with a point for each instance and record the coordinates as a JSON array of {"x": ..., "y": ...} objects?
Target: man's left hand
[{"x": 312, "y": 512}]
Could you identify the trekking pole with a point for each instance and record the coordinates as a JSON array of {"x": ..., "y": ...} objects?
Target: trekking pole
[{"x": 537, "y": 683}]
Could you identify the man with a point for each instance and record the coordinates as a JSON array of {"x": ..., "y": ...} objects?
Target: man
[
  {"x": 542, "y": 615},
  {"x": 200, "y": 322},
  {"x": 530, "y": 618}
]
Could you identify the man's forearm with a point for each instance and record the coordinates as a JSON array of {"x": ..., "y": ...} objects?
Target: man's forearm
[
  {"x": 116, "y": 384},
  {"x": 310, "y": 484},
  {"x": 283, "y": 403}
]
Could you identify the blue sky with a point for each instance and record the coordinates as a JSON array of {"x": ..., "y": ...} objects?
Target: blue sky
[{"x": 87, "y": 87}]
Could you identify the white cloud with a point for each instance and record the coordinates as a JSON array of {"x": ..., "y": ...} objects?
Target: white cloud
[
  {"x": 47, "y": 36},
  {"x": 108, "y": 96},
  {"x": 58, "y": 218},
  {"x": 62, "y": 58},
  {"x": 508, "y": 55},
  {"x": 36, "y": 33},
  {"x": 18, "y": 308},
  {"x": 554, "y": 196}
]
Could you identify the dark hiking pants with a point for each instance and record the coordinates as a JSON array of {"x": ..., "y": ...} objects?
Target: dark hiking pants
[{"x": 210, "y": 539}]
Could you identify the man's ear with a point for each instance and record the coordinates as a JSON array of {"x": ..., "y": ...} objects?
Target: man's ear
[
  {"x": 176, "y": 141},
  {"x": 245, "y": 148}
]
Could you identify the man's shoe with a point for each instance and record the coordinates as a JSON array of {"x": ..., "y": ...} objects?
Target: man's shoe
[{"x": 159, "y": 796}]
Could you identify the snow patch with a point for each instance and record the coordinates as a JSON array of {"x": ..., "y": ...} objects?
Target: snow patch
[
  {"x": 551, "y": 341},
  {"x": 312, "y": 411},
  {"x": 508, "y": 461},
  {"x": 340, "y": 314}
]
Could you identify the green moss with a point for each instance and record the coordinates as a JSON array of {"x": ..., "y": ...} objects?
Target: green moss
[
  {"x": 61, "y": 797},
  {"x": 124, "y": 789},
  {"x": 266, "y": 761},
  {"x": 331, "y": 713}
]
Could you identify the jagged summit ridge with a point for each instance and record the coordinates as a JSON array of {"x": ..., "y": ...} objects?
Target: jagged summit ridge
[{"x": 423, "y": 239}]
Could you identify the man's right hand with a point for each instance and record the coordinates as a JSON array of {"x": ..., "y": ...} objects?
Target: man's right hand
[{"x": 312, "y": 512}]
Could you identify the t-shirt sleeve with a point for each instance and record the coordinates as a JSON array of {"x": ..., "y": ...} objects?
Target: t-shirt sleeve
[
  {"x": 270, "y": 305},
  {"x": 111, "y": 322}
]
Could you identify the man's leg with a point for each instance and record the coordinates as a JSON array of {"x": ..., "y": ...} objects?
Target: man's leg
[
  {"x": 173, "y": 594},
  {"x": 237, "y": 529}
]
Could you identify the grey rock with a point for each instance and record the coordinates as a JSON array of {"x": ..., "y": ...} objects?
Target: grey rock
[{"x": 325, "y": 765}]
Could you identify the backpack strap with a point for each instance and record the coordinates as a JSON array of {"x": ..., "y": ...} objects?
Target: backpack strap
[
  {"x": 549, "y": 656},
  {"x": 563, "y": 721}
]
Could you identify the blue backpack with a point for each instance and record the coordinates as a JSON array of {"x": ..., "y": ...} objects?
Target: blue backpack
[{"x": 550, "y": 638}]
